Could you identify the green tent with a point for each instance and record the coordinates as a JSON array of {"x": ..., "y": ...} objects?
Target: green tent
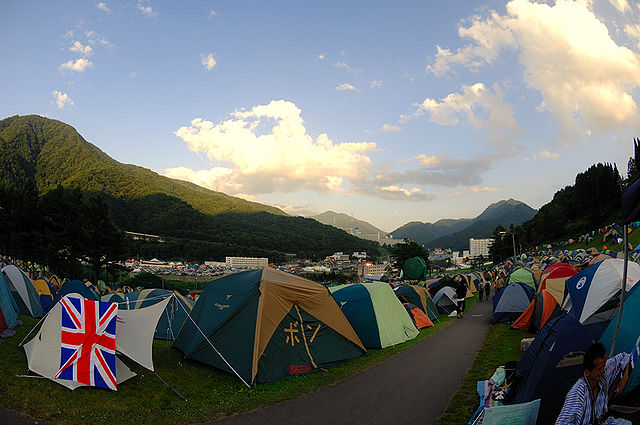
[
  {"x": 523, "y": 275},
  {"x": 420, "y": 297},
  {"x": 267, "y": 325},
  {"x": 375, "y": 313},
  {"x": 415, "y": 268}
]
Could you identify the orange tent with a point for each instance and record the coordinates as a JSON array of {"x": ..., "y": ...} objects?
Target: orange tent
[
  {"x": 542, "y": 308},
  {"x": 420, "y": 319}
]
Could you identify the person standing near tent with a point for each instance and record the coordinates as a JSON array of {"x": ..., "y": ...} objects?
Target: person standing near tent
[
  {"x": 587, "y": 401},
  {"x": 461, "y": 293}
]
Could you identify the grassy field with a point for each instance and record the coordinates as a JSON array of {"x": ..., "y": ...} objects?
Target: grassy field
[
  {"x": 500, "y": 346},
  {"x": 145, "y": 400}
]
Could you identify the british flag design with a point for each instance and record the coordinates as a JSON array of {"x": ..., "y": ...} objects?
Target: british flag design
[{"x": 88, "y": 342}]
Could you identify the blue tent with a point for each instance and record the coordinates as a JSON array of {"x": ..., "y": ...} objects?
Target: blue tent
[
  {"x": 511, "y": 301},
  {"x": 77, "y": 287},
  {"x": 627, "y": 334},
  {"x": 551, "y": 365},
  {"x": 8, "y": 308},
  {"x": 174, "y": 315}
]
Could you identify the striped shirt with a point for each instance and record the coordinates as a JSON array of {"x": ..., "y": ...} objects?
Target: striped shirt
[{"x": 577, "y": 404}]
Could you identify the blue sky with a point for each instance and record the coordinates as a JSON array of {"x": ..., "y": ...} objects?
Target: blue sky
[{"x": 390, "y": 111}]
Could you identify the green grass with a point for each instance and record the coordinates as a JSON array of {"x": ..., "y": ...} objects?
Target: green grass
[
  {"x": 500, "y": 346},
  {"x": 144, "y": 399}
]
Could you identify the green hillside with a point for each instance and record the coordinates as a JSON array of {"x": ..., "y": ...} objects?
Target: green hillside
[
  {"x": 45, "y": 164},
  {"x": 53, "y": 153}
]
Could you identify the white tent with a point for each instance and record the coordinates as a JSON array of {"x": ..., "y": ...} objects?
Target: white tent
[{"x": 134, "y": 338}]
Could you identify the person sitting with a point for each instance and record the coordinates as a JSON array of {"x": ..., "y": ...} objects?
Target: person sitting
[{"x": 586, "y": 402}]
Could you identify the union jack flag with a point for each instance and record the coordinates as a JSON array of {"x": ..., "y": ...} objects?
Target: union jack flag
[{"x": 88, "y": 342}]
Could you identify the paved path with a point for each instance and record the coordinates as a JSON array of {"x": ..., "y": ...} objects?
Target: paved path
[{"x": 413, "y": 387}]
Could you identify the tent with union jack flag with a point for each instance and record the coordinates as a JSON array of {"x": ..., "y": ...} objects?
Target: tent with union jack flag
[{"x": 79, "y": 338}]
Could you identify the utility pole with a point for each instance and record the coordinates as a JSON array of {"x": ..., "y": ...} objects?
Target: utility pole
[{"x": 513, "y": 238}]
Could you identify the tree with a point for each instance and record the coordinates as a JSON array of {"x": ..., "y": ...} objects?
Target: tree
[
  {"x": 409, "y": 249},
  {"x": 633, "y": 168}
]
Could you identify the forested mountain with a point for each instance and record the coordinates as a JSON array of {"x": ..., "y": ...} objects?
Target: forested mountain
[
  {"x": 455, "y": 234},
  {"x": 54, "y": 154},
  {"x": 348, "y": 223},
  {"x": 592, "y": 202},
  {"x": 45, "y": 162}
]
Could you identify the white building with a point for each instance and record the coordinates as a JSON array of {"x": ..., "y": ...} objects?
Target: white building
[
  {"x": 478, "y": 247},
  {"x": 374, "y": 269},
  {"x": 248, "y": 262},
  {"x": 338, "y": 257}
]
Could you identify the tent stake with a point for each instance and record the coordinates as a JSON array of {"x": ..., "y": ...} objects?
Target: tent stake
[{"x": 172, "y": 389}]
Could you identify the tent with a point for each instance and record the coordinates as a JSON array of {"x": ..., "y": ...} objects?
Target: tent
[
  {"x": 415, "y": 268},
  {"x": 599, "y": 258},
  {"x": 628, "y": 333},
  {"x": 174, "y": 315},
  {"x": 375, "y": 313},
  {"x": 419, "y": 296},
  {"x": 554, "y": 277},
  {"x": 114, "y": 297},
  {"x": 268, "y": 325},
  {"x": 45, "y": 293},
  {"x": 8, "y": 308},
  {"x": 23, "y": 291},
  {"x": 75, "y": 324},
  {"x": 596, "y": 289},
  {"x": 445, "y": 300},
  {"x": 542, "y": 308},
  {"x": 551, "y": 365},
  {"x": 419, "y": 317},
  {"x": 511, "y": 301},
  {"x": 523, "y": 275},
  {"x": 77, "y": 287}
]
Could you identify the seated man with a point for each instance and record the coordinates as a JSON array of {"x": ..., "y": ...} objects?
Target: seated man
[{"x": 587, "y": 401}]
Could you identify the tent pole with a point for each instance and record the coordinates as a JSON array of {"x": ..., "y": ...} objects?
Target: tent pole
[
  {"x": 172, "y": 389},
  {"x": 624, "y": 288}
]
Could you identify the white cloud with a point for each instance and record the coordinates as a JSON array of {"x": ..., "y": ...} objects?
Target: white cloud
[
  {"x": 621, "y": 5},
  {"x": 476, "y": 189},
  {"x": 96, "y": 39},
  {"x": 267, "y": 149},
  {"x": 321, "y": 56},
  {"x": 68, "y": 34},
  {"x": 543, "y": 154},
  {"x": 346, "y": 86},
  {"x": 388, "y": 127},
  {"x": 62, "y": 99},
  {"x": 146, "y": 9},
  {"x": 375, "y": 84},
  {"x": 304, "y": 210},
  {"x": 485, "y": 110},
  {"x": 77, "y": 66},
  {"x": 81, "y": 49},
  {"x": 212, "y": 14},
  {"x": 208, "y": 61},
  {"x": 585, "y": 78},
  {"x": 342, "y": 65},
  {"x": 633, "y": 31},
  {"x": 102, "y": 6},
  {"x": 133, "y": 74},
  {"x": 428, "y": 159}
]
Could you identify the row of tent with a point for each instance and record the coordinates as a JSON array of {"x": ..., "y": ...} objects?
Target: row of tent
[
  {"x": 571, "y": 310},
  {"x": 260, "y": 325}
]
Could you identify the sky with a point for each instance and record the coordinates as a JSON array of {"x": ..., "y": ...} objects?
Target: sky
[{"x": 390, "y": 111}]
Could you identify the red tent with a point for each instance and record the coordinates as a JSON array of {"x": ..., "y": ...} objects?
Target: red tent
[{"x": 542, "y": 308}]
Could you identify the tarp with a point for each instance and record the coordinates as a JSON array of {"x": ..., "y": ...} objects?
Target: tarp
[
  {"x": 597, "y": 285},
  {"x": 375, "y": 313},
  {"x": 268, "y": 325},
  {"x": 511, "y": 301},
  {"x": 23, "y": 291},
  {"x": 551, "y": 365},
  {"x": 419, "y": 317}
]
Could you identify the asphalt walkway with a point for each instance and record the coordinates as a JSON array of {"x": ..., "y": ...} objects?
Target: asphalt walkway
[{"x": 412, "y": 387}]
